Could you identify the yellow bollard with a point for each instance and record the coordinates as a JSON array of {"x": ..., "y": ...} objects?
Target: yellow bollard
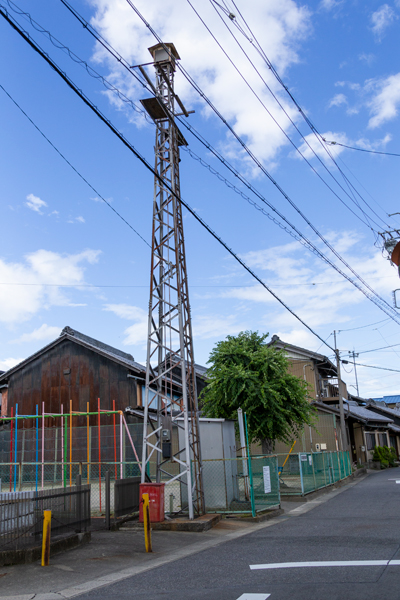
[
  {"x": 146, "y": 522},
  {"x": 46, "y": 538}
]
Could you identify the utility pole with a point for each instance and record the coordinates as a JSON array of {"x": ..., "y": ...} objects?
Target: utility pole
[
  {"x": 353, "y": 355},
  {"x": 170, "y": 367},
  {"x": 340, "y": 387}
]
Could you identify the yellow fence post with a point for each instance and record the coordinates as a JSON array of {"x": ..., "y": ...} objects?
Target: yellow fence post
[
  {"x": 146, "y": 522},
  {"x": 46, "y": 538}
]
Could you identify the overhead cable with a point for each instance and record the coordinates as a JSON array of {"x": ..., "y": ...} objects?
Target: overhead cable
[
  {"x": 287, "y": 115},
  {"x": 362, "y": 326},
  {"x": 370, "y": 366},
  {"x": 297, "y": 235},
  {"x": 257, "y": 46},
  {"x": 331, "y": 143},
  {"x": 376, "y": 349},
  {"x": 259, "y": 164},
  {"x": 142, "y": 159},
  {"x": 74, "y": 169}
]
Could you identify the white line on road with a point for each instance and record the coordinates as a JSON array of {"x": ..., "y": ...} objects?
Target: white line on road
[
  {"x": 254, "y": 597},
  {"x": 328, "y": 563}
]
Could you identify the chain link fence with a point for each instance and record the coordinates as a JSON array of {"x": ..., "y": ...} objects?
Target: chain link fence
[
  {"x": 228, "y": 484},
  {"x": 306, "y": 472}
]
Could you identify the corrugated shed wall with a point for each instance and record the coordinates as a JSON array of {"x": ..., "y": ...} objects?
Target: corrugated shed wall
[{"x": 67, "y": 372}]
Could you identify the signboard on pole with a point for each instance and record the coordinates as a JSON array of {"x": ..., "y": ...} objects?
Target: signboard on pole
[{"x": 267, "y": 480}]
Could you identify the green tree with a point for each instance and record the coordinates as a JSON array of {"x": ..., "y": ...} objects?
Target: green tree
[{"x": 246, "y": 373}]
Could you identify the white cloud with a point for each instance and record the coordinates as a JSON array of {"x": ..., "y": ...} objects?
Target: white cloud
[
  {"x": 136, "y": 333},
  {"x": 330, "y": 4},
  {"x": 367, "y": 58},
  {"x": 216, "y": 326},
  {"x": 286, "y": 22},
  {"x": 9, "y": 363},
  {"x": 317, "y": 293},
  {"x": 44, "y": 332},
  {"x": 384, "y": 105},
  {"x": 76, "y": 220},
  {"x": 30, "y": 294},
  {"x": 381, "y": 19},
  {"x": 35, "y": 203},
  {"x": 338, "y": 100},
  {"x": 314, "y": 146}
]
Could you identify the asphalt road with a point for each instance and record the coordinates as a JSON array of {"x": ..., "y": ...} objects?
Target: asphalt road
[{"x": 360, "y": 524}]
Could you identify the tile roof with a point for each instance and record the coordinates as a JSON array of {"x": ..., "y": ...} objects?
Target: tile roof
[
  {"x": 394, "y": 412},
  {"x": 366, "y": 415},
  {"x": 90, "y": 343}
]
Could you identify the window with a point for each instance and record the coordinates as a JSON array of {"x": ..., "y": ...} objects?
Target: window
[
  {"x": 382, "y": 439},
  {"x": 370, "y": 441}
]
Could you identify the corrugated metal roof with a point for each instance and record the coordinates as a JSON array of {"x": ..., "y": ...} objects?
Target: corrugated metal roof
[{"x": 388, "y": 399}]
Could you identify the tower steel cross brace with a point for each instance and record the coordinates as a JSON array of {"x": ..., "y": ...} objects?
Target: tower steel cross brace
[{"x": 170, "y": 391}]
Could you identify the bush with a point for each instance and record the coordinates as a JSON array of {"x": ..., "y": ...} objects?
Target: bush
[{"x": 385, "y": 455}]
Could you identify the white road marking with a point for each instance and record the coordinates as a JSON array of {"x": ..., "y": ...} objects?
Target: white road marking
[
  {"x": 254, "y": 597},
  {"x": 327, "y": 563}
]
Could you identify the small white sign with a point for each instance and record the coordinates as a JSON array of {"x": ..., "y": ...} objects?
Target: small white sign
[
  {"x": 303, "y": 457},
  {"x": 267, "y": 480},
  {"x": 310, "y": 460}
]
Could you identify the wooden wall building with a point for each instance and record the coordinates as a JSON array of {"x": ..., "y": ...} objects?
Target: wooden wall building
[{"x": 74, "y": 367}]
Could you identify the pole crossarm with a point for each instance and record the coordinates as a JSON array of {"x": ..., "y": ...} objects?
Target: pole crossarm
[{"x": 170, "y": 368}]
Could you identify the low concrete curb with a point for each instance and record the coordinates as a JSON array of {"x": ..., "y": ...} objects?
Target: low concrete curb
[
  {"x": 265, "y": 516},
  {"x": 203, "y": 523},
  {"x": 325, "y": 490},
  {"x": 29, "y": 555}
]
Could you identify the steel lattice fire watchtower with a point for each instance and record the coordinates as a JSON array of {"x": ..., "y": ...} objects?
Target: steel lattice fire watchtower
[{"x": 170, "y": 367}]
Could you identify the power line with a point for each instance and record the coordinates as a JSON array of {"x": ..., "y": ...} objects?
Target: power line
[
  {"x": 285, "y": 112},
  {"x": 300, "y": 237},
  {"x": 370, "y": 366},
  {"x": 258, "y": 163},
  {"x": 376, "y": 349},
  {"x": 141, "y": 158},
  {"x": 331, "y": 143},
  {"x": 257, "y": 46},
  {"x": 73, "y": 168},
  {"x": 362, "y": 326}
]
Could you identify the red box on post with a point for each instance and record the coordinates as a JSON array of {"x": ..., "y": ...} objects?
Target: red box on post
[{"x": 156, "y": 501}]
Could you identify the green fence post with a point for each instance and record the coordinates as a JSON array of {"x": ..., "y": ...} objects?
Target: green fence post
[
  {"x": 301, "y": 474},
  {"x": 313, "y": 471},
  {"x": 253, "y": 506}
]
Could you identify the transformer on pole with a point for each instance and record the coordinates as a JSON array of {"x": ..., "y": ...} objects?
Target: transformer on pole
[{"x": 170, "y": 394}]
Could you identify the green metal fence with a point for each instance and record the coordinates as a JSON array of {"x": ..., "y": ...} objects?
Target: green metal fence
[
  {"x": 241, "y": 485},
  {"x": 307, "y": 472}
]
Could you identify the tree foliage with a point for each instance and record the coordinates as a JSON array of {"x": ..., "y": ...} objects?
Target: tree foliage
[{"x": 246, "y": 373}]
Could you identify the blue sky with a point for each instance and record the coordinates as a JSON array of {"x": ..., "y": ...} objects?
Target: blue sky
[{"x": 67, "y": 259}]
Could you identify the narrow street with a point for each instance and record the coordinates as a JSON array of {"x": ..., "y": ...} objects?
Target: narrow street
[{"x": 361, "y": 525}]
